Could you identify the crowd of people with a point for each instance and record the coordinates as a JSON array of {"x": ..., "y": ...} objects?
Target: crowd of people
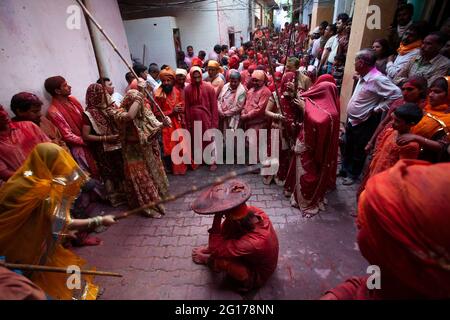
[{"x": 118, "y": 148}]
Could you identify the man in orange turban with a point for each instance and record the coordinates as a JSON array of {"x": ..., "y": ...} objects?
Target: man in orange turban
[
  {"x": 215, "y": 76},
  {"x": 171, "y": 101}
]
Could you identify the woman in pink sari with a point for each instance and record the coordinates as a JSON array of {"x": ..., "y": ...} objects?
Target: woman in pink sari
[{"x": 312, "y": 171}]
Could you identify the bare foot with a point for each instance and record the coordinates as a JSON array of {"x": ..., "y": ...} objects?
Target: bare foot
[
  {"x": 202, "y": 249},
  {"x": 87, "y": 241},
  {"x": 199, "y": 257}
]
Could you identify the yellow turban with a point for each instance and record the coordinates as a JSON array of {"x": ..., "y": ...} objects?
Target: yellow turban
[{"x": 213, "y": 64}]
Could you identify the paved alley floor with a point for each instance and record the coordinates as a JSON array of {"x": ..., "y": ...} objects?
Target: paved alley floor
[{"x": 154, "y": 255}]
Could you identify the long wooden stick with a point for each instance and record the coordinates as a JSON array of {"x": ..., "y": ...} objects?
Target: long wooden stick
[
  {"x": 89, "y": 15},
  {"x": 272, "y": 71},
  {"x": 29, "y": 267},
  {"x": 217, "y": 181},
  {"x": 288, "y": 47}
]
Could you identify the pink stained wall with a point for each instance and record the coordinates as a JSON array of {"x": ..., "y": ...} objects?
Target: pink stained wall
[{"x": 35, "y": 43}]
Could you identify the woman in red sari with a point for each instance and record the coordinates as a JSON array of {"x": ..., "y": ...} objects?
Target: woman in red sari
[
  {"x": 403, "y": 226},
  {"x": 312, "y": 170}
]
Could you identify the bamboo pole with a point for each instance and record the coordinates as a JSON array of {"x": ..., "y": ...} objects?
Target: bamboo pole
[
  {"x": 288, "y": 47},
  {"x": 29, "y": 267},
  {"x": 217, "y": 181},
  {"x": 272, "y": 71},
  {"x": 89, "y": 15}
]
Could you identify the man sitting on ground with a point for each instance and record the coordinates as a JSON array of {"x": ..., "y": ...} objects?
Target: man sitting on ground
[{"x": 245, "y": 245}]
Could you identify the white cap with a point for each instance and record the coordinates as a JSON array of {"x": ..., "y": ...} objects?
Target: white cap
[
  {"x": 316, "y": 30},
  {"x": 181, "y": 71}
]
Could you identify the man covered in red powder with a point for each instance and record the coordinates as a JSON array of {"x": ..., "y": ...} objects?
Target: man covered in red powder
[{"x": 245, "y": 245}]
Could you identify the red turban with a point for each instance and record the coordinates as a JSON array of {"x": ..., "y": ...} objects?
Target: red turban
[
  {"x": 278, "y": 74},
  {"x": 233, "y": 63},
  {"x": 53, "y": 83},
  {"x": 404, "y": 226},
  {"x": 197, "y": 62},
  {"x": 246, "y": 64}
]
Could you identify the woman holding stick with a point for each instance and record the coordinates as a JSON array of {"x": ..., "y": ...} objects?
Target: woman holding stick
[{"x": 35, "y": 211}]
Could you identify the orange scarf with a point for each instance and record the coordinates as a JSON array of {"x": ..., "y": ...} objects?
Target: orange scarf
[
  {"x": 427, "y": 127},
  {"x": 404, "y": 49}
]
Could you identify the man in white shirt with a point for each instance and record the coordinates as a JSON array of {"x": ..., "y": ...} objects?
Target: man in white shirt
[
  {"x": 331, "y": 46},
  {"x": 373, "y": 94},
  {"x": 409, "y": 48},
  {"x": 315, "y": 46}
]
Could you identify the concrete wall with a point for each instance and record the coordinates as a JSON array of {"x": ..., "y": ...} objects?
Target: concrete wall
[
  {"x": 35, "y": 44},
  {"x": 157, "y": 35},
  {"x": 197, "y": 23},
  {"x": 201, "y": 25},
  {"x": 239, "y": 19},
  {"x": 362, "y": 37},
  {"x": 341, "y": 6},
  {"x": 107, "y": 14},
  {"x": 322, "y": 11},
  {"x": 200, "y": 29},
  {"x": 307, "y": 10}
]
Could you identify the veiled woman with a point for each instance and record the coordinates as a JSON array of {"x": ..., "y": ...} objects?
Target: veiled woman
[
  {"x": 35, "y": 214},
  {"x": 145, "y": 178},
  {"x": 286, "y": 118},
  {"x": 312, "y": 171},
  {"x": 102, "y": 134}
]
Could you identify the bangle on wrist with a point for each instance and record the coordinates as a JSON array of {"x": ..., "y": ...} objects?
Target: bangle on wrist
[{"x": 98, "y": 221}]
